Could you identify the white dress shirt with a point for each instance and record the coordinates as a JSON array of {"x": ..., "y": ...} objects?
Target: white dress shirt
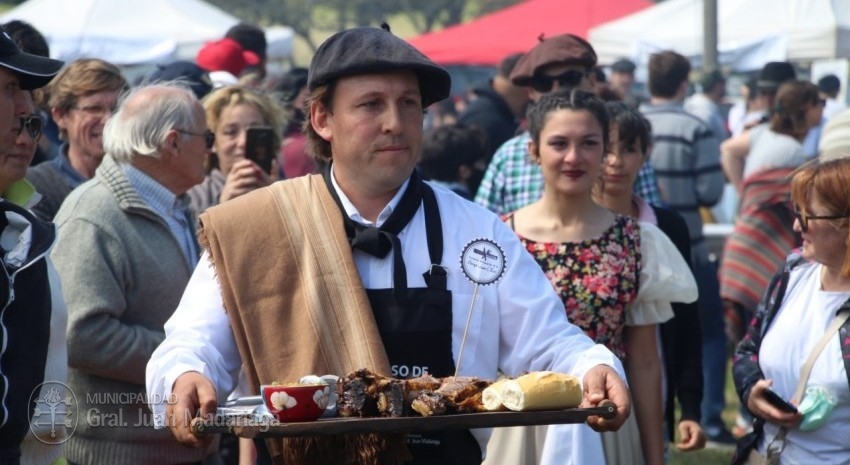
[{"x": 518, "y": 323}]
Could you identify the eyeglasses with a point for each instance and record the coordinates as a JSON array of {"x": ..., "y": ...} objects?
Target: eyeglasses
[
  {"x": 804, "y": 218},
  {"x": 34, "y": 126},
  {"x": 568, "y": 79},
  {"x": 209, "y": 136},
  {"x": 96, "y": 110}
]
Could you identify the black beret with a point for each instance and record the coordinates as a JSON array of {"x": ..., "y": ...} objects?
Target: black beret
[{"x": 370, "y": 50}]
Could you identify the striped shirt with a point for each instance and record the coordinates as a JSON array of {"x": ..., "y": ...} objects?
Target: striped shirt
[{"x": 686, "y": 159}]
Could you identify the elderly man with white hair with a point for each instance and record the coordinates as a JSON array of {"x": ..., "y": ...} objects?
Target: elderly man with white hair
[{"x": 125, "y": 252}]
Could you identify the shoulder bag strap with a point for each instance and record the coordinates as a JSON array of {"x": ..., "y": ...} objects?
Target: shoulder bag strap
[{"x": 840, "y": 319}]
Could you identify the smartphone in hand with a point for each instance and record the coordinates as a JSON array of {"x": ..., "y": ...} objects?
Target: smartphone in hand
[
  {"x": 779, "y": 402},
  {"x": 259, "y": 146}
]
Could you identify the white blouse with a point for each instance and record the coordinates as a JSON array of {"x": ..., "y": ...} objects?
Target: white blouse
[{"x": 664, "y": 278}]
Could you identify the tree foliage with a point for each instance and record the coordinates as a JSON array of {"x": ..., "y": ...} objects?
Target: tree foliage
[{"x": 308, "y": 16}]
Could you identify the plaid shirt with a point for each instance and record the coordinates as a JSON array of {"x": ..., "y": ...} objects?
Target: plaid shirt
[{"x": 513, "y": 181}]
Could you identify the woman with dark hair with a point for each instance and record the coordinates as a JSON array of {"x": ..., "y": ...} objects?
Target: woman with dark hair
[
  {"x": 797, "y": 108},
  {"x": 616, "y": 276},
  {"x": 763, "y": 234},
  {"x": 761, "y": 160},
  {"x": 681, "y": 338},
  {"x": 801, "y": 320}
]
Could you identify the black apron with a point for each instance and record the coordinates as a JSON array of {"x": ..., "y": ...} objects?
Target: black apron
[{"x": 416, "y": 324}]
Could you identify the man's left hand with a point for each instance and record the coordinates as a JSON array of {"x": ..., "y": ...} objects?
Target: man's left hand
[{"x": 603, "y": 383}]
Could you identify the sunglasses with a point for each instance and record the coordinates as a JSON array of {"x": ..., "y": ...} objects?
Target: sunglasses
[
  {"x": 209, "y": 136},
  {"x": 568, "y": 79},
  {"x": 804, "y": 218},
  {"x": 34, "y": 126}
]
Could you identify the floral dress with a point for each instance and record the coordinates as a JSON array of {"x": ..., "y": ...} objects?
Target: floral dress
[
  {"x": 597, "y": 279},
  {"x": 627, "y": 276}
]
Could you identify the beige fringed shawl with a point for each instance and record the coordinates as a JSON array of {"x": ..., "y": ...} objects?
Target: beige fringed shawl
[{"x": 296, "y": 303}]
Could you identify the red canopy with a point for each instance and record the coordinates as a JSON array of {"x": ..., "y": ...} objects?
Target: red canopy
[{"x": 488, "y": 39}]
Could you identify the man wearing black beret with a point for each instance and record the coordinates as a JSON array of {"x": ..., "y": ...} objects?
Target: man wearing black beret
[{"x": 366, "y": 266}]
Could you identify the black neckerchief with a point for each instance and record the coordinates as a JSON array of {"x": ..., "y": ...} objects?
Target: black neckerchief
[{"x": 379, "y": 241}]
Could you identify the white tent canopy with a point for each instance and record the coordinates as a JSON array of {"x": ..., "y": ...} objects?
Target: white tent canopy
[
  {"x": 750, "y": 32},
  {"x": 127, "y": 32}
]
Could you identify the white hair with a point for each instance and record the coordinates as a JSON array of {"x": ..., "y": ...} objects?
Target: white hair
[{"x": 139, "y": 128}]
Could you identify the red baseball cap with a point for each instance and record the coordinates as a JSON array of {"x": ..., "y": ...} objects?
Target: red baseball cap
[{"x": 226, "y": 55}]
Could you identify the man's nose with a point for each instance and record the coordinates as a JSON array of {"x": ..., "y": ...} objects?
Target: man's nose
[{"x": 391, "y": 120}]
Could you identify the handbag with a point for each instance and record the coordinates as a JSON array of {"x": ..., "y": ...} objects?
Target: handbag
[{"x": 777, "y": 444}]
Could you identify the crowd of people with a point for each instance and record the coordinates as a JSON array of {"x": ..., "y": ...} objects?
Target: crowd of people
[{"x": 156, "y": 266}]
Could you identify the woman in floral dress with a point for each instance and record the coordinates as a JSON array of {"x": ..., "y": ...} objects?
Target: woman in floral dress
[{"x": 616, "y": 276}]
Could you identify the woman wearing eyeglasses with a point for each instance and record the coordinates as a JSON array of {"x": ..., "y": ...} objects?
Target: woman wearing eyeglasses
[
  {"x": 801, "y": 322},
  {"x": 230, "y": 112}
]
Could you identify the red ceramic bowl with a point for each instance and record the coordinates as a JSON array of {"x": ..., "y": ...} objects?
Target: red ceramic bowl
[{"x": 296, "y": 402}]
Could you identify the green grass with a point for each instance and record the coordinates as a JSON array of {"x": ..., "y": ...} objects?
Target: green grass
[{"x": 713, "y": 456}]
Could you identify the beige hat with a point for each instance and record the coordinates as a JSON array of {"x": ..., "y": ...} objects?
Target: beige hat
[{"x": 835, "y": 138}]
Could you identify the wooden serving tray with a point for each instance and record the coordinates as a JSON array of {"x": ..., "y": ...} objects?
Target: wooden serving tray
[{"x": 247, "y": 428}]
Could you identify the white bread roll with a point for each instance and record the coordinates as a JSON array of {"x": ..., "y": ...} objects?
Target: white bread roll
[
  {"x": 542, "y": 390},
  {"x": 491, "y": 398}
]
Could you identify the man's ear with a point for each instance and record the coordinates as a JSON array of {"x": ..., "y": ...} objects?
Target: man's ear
[
  {"x": 319, "y": 116},
  {"x": 170, "y": 143},
  {"x": 59, "y": 117}
]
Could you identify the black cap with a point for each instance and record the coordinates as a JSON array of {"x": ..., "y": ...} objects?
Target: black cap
[
  {"x": 196, "y": 77},
  {"x": 33, "y": 71},
  {"x": 369, "y": 50},
  {"x": 774, "y": 73},
  {"x": 623, "y": 65}
]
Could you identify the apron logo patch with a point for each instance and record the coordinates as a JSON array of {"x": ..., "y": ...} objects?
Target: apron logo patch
[{"x": 482, "y": 261}]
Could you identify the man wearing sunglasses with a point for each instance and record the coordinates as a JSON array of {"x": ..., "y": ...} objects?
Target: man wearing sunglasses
[
  {"x": 512, "y": 180},
  {"x": 125, "y": 252},
  {"x": 29, "y": 293}
]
